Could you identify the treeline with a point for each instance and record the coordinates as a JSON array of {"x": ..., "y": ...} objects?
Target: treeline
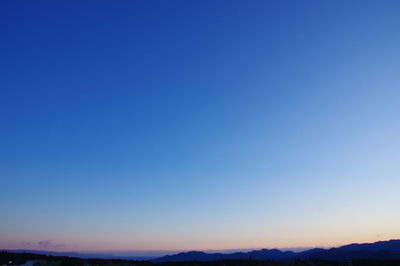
[{"x": 10, "y": 258}]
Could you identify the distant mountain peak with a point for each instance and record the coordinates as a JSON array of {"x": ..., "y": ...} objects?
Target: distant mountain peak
[{"x": 378, "y": 250}]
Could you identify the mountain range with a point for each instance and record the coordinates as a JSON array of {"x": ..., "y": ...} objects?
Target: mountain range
[
  {"x": 382, "y": 250},
  {"x": 379, "y": 250}
]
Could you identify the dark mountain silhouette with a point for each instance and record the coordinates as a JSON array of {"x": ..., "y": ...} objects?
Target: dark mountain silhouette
[
  {"x": 377, "y": 246},
  {"x": 382, "y": 250},
  {"x": 263, "y": 254},
  {"x": 8, "y": 258},
  {"x": 388, "y": 250},
  {"x": 378, "y": 250}
]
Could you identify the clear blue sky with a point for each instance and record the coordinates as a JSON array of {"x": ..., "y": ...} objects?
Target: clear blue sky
[{"x": 133, "y": 125}]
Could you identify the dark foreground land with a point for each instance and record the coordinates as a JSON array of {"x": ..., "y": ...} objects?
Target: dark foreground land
[{"x": 8, "y": 258}]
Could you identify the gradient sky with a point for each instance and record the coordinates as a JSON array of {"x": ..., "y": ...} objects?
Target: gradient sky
[{"x": 162, "y": 125}]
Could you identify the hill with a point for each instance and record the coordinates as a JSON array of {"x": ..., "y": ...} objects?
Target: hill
[{"x": 388, "y": 250}]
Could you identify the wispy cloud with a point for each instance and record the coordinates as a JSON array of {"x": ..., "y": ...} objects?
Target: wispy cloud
[
  {"x": 25, "y": 244},
  {"x": 44, "y": 243}
]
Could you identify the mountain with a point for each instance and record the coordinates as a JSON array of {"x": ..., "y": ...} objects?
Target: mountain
[
  {"x": 382, "y": 250},
  {"x": 378, "y": 250},
  {"x": 377, "y": 246},
  {"x": 263, "y": 254}
]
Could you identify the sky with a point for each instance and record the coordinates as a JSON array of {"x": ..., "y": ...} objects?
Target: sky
[{"x": 180, "y": 125}]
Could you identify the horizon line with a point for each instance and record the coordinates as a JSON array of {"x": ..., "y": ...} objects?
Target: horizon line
[{"x": 189, "y": 250}]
